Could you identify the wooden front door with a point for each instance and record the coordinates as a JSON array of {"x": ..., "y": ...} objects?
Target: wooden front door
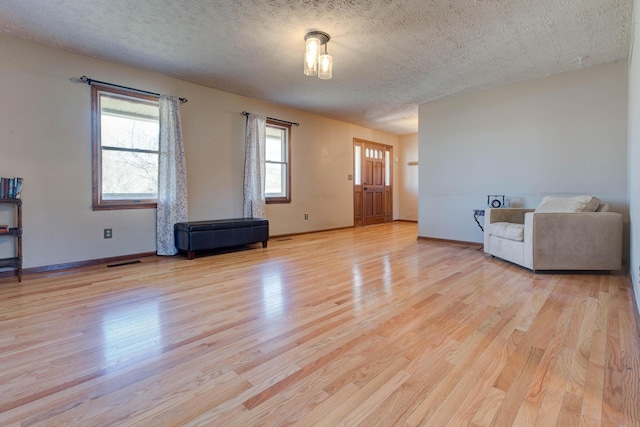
[{"x": 372, "y": 183}]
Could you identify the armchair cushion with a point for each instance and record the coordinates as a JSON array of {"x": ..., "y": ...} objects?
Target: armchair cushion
[
  {"x": 568, "y": 204},
  {"x": 507, "y": 230}
]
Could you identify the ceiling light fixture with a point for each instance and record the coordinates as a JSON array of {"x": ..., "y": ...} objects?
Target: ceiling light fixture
[{"x": 317, "y": 63}]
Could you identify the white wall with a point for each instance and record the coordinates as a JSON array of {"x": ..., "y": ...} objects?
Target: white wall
[
  {"x": 560, "y": 135},
  {"x": 634, "y": 152},
  {"x": 408, "y": 179},
  {"x": 45, "y": 138}
]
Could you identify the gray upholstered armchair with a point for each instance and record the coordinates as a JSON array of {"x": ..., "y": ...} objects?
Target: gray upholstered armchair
[{"x": 557, "y": 237}]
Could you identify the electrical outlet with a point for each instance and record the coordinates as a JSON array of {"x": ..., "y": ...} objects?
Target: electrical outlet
[
  {"x": 108, "y": 233},
  {"x": 306, "y": 216}
]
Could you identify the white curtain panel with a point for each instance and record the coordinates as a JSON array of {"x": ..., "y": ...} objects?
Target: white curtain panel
[
  {"x": 172, "y": 176},
  {"x": 254, "y": 201}
]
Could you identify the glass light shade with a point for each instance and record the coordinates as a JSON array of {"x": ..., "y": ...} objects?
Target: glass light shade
[
  {"x": 325, "y": 69},
  {"x": 312, "y": 45},
  {"x": 311, "y": 55},
  {"x": 310, "y": 65}
]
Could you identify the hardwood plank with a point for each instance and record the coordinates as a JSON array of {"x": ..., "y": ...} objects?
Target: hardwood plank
[
  {"x": 544, "y": 373},
  {"x": 527, "y": 414},
  {"x": 592, "y": 400},
  {"x": 594, "y": 387},
  {"x": 393, "y": 374},
  {"x": 486, "y": 412},
  {"x": 317, "y": 416},
  {"x": 551, "y": 404},
  {"x": 467, "y": 396},
  {"x": 515, "y": 395},
  {"x": 363, "y": 326},
  {"x": 570, "y": 412},
  {"x": 379, "y": 395},
  {"x": 612, "y": 400},
  {"x": 427, "y": 371},
  {"x": 582, "y": 353},
  {"x": 629, "y": 348}
]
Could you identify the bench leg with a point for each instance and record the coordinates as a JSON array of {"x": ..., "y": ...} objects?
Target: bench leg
[
  {"x": 191, "y": 254},
  {"x": 264, "y": 243}
]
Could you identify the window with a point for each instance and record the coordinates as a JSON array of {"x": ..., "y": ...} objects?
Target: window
[
  {"x": 387, "y": 167},
  {"x": 358, "y": 165},
  {"x": 277, "y": 163},
  {"x": 125, "y": 132}
]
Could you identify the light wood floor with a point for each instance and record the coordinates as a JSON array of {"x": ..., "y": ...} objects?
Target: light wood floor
[{"x": 352, "y": 327}]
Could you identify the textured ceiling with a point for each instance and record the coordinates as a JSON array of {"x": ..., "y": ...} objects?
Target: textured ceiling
[{"x": 389, "y": 56}]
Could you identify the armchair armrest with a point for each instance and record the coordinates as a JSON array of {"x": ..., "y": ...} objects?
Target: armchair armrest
[
  {"x": 574, "y": 241},
  {"x": 512, "y": 215}
]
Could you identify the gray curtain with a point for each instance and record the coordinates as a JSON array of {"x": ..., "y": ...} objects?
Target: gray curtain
[
  {"x": 172, "y": 176},
  {"x": 254, "y": 201}
]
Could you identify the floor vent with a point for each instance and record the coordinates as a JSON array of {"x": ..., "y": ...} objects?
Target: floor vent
[
  {"x": 123, "y": 263},
  {"x": 284, "y": 239}
]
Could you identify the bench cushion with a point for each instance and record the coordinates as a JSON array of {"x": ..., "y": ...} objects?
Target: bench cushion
[{"x": 220, "y": 224}]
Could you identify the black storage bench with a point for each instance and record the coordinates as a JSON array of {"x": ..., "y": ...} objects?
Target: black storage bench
[{"x": 220, "y": 233}]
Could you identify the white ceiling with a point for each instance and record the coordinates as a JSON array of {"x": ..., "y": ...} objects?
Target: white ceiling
[{"x": 389, "y": 56}]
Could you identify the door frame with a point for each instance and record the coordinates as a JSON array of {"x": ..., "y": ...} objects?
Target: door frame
[{"x": 358, "y": 191}]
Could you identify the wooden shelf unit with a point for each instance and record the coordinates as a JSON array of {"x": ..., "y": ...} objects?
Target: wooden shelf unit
[{"x": 16, "y": 232}]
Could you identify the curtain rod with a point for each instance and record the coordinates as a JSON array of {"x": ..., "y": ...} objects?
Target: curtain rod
[
  {"x": 89, "y": 81},
  {"x": 244, "y": 113}
]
